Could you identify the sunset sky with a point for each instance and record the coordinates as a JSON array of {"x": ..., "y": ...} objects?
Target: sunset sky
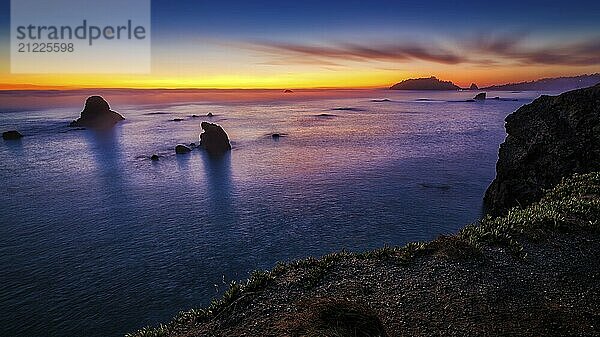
[{"x": 301, "y": 44}]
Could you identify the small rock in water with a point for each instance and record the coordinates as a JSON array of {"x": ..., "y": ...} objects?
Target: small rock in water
[
  {"x": 177, "y": 119},
  {"x": 12, "y": 135},
  {"x": 276, "y": 135},
  {"x": 195, "y": 116},
  {"x": 182, "y": 149},
  {"x": 154, "y": 157},
  {"x": 288, "y": 91},
  {"x": 210, "y": 114},
  {"x": 480, "y": 96}
]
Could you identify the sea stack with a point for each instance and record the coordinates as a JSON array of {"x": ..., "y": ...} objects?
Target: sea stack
[
  {"x": 551, "y": 138},
  {"x": 97, "y": 115},
  {"x": 214, "y": 139}
]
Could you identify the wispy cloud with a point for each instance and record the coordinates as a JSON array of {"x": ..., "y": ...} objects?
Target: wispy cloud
[
  {"x": 484, "y": 50},
  {"x": 326, "y": 54},
  {"x": 514, "y": 48}
]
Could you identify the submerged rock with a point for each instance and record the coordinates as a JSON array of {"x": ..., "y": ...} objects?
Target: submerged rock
[
  {"x": 214, "y": 139},
  {"x": 210, "y": 114},
  {"x": 288, "y": 91},
  {"x": 97, "y": 114},
  {"x": 553, "y": 137},
  {"x": 182, "y": 149},
  {"x": 12, "y": 135},
  {"x": 154, "y": 157},
  {"x": 480, "y": 97}
]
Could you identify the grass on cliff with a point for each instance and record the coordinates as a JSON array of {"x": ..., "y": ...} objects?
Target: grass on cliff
[{"x": 572, "y": 206}]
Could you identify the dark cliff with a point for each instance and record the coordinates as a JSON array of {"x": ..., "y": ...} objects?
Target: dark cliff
[{"x": 553, "y": 137}]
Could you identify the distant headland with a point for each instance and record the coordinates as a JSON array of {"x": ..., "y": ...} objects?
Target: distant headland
[
  {"x": 426, "y": 83},
  {"x": 544, "y": 84},
  {"x": 551, "y": 84}
]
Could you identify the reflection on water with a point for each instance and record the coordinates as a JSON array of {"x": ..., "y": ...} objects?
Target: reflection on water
[
  {"x": 105, "y": 146},
  {"x": 96, "y": 239},
  {"x": 217, "y": 170}
]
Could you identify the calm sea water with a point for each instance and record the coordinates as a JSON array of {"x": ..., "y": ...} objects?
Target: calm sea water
[{"x": 97, "y": 240}]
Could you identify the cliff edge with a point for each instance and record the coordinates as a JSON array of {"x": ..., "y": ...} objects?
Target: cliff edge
[{"x": 551, "y": 138}]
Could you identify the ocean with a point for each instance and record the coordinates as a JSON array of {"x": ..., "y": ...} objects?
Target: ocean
[{"x": 98, "y": 240}]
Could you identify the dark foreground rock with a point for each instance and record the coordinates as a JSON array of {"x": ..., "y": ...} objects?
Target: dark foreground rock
[
  {"x": 97, "y": 115},
  {"x": 532, "y": 273},
  {"x": 11, "y": 135},
  {"x": 549, "y": 139},
  {"x": 214, "y": 139}
]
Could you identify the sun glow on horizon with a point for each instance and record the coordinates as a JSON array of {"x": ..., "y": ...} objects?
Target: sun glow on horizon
[{"x": 314, "y": 80}]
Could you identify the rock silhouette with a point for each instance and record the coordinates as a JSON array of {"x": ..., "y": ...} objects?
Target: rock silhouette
[
  {"x": 473, "y": 87},
  {"x": 97, "y": 114},
  {"x": 12, "y": 135},
  {"x": 182, "y": 149},
  {"x": 431, "y": 83},
  {"x": 480, "y": 97},
  {"x": 214, "y": 139},
  {"x": 551, "y": 138}
]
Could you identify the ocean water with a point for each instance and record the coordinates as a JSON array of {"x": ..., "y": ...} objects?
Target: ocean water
[{"x": 98, "y": 240}]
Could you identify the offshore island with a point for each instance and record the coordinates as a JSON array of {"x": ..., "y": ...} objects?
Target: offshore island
[{"x": 529, "y": 268}]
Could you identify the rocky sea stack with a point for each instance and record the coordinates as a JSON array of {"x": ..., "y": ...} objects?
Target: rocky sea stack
[
  {"x": 97, "y": 115},
  {"x": 214, "y": 139},
  {"x": 551, "y": 138}
]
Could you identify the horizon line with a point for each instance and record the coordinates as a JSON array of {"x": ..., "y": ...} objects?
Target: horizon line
[{"x": 39, "y": 87}]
